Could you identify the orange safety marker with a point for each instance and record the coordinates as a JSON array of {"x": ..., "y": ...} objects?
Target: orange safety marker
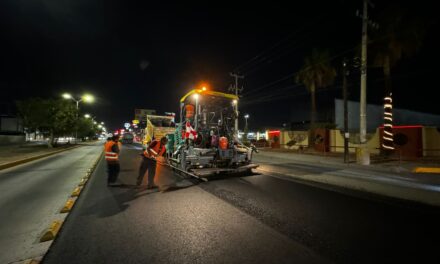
[
  {"x": 76, "y": 192},
  {"x": 426, "y": 170},
  {"x": 51, "y": 232},
  {"x": 83, "y": 181},
  {"x": 68, "y": 206}
]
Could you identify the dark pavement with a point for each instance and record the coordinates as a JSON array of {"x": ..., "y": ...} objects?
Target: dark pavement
[
  {"x": 31, "y": 196},
  {"x": 251, "y": 219}
]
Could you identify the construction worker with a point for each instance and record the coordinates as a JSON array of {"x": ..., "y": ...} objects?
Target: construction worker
[
  {"x": 109, "y": 138},
  {"x": 154, "y": 150},
  {"x": 111, "y": 151}
]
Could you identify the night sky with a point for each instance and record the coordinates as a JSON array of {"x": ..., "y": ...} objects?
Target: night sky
[{"x": 149, "y": 54}]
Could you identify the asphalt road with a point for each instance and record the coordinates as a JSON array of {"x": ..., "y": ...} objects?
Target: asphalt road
[
  {"x": 31, "y": 197},
  {"x": 251, "y": 219}
]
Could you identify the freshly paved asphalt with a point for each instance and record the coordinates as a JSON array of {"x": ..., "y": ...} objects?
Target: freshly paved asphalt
[
  {"x": 31, "y": 197},
  {"x": 251, "y": 219}
]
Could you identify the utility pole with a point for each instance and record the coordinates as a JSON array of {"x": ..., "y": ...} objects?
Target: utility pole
[
  {"x": 363, "y": 102},
  {"x": 236, "y": 76},
  {"x": 364, "y": 155},
  {"x": 344, "y": 89}
]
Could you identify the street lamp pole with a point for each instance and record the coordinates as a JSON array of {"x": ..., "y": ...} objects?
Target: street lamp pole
[
  {"x": 246, "y": 127},
  {"x": 87, "y": 98}
]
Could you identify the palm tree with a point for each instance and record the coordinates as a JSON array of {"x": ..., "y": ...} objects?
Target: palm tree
[
  {"x": 316, "y": 73},
  {"x": 400, "y": 35}
]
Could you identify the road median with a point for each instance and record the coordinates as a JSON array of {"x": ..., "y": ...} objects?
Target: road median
[{"x": 32, "y": 158}]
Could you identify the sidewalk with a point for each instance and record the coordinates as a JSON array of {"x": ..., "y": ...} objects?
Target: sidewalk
[
  {"x": 12, "y": 155},
  {"x": 391, "y": 178}
]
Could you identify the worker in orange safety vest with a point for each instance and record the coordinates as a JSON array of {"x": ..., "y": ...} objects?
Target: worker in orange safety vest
[
  {"x": 157, "y": 148},
  {"x": 111, "y": 151}
]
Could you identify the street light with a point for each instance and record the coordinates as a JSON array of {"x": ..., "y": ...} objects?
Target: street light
[
  {"x": 88, "y": 98},
  {"x": 196, "y": 97},
  {"x": 87, "y": 116},
  {"x": 246, "y": 116}
]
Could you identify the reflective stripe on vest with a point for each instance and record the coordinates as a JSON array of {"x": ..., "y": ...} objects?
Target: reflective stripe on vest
[
  {"x": 155, "y": 150},
  {"x": 109, "y": 154}
]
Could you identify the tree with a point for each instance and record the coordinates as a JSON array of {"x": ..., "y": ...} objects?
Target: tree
[
  {"x": 63, "y": 118},
  {"x": 316, "y": 73},
  {"x": 53, "y": 118},
  {"x": 400, "y": 34},
  {"x": 86, "y": 128}
]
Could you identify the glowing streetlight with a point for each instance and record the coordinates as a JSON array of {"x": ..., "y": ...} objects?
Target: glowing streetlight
[
  {"x": 102, "y": 123},
  {"x": 88, "y": 98},
  {"x": 87, "y": 116},
  {"x": 67, "y": 96}
]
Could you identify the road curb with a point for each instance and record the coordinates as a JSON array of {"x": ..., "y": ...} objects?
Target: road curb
[
  {"x": 52, "y": 231},
  {"x": 322, "y": 160},
  {"x": 22, "y": 161},
  {"x": 76, "y": 192},
  {"x": 68, "y": 206},
  {"x": 426, "y": 170},
  {"x": 402, "y": 192}
]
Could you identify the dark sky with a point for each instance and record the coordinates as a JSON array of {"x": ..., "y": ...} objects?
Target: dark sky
[{"x": 148, "y": 54}]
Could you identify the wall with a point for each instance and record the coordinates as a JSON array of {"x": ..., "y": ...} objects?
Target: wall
[
  {"x": 300, "y": 138},
  {"x": 10, "y": 124},
  {"x": 337, "y": 142},
  {"x": 12, "y": 139},
  {"x": 431, "y": 141}
]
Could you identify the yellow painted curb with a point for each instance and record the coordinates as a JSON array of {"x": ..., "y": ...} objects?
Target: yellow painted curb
[
  {"x": 426, "y": 170},
  {"x": 68, "y": 206},
  {"x": 76, "y": 192},
  {"x": 83, "y": 181},
  {"x": 52, "y": 231}
]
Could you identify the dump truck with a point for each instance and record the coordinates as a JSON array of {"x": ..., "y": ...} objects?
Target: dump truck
[
  {"x": 157, "y": 127},
  {"x": 205, "y": 142}
]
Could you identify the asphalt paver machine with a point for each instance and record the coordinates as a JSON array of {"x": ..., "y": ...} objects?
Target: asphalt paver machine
[{"x": 205, "y": 142}]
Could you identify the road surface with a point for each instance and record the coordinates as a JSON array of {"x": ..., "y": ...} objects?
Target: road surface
[
  {"x": 259, "y": 218},
  {"x": 31, "y": 197}
]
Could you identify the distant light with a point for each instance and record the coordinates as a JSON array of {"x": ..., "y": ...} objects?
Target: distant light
[
  {"x": 94, "y": 122},
  {"x": 88, "y": 98},
  {"x": 87, "y": 116},
  {"x": 196, "y": 96},
  {"x": 100, "y": 126},
  {"x": 67, "y": 96},
  {"x": 246, "y": 116},
  {"x": 234, "y": 102},
  {"x": 203, "y": 88},
  {"x": 102, "y": 123}
]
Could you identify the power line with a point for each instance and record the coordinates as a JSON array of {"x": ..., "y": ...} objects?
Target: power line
[
  {"x": 318, "y": 20},
  {"x": 293, "y": 74}
]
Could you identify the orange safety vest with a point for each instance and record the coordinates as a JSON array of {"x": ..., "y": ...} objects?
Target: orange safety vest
[
  {"x": 157, "y": 150},
  {"x": 109, "y": 154}
]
